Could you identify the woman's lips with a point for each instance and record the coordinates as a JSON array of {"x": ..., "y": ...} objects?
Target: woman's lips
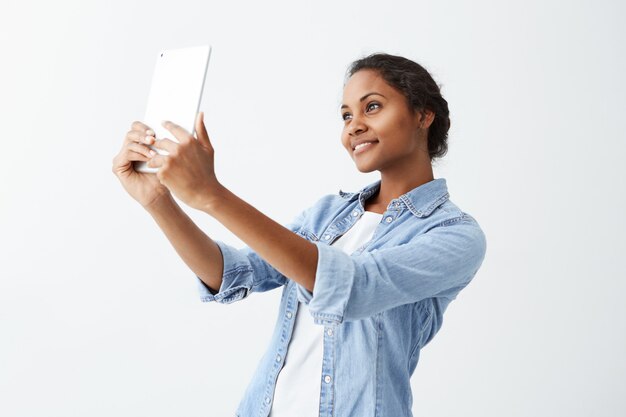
[{"x": 363, "y": 148}]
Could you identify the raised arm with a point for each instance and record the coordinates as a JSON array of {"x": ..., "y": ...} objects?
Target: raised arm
[
  {"x": 196, "y": 249},
  {"x": 201, "y": 254},
  {"x": 188, "y": 172}
]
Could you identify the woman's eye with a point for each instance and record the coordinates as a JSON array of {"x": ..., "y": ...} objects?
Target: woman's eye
[
  {"x": 345, "y": 116},
  {"x": 369, "y": 106}
]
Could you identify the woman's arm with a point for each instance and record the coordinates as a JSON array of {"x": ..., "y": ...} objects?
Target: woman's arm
[
  {"x": 197, "y": 250},
  {"x": 188, "y": 172},
  {"x": 290, "y": 254}
]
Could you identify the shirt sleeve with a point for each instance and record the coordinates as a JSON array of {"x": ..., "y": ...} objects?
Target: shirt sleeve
[
  {"x": 245, "y": 272},
  {"x": 438, "y": 263}
]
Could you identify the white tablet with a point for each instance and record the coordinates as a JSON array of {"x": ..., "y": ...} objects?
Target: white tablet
[{"x": 175, "y": 92}]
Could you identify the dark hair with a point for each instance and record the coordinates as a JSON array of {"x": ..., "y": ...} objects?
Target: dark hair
[{"x": 420, "y": 90}]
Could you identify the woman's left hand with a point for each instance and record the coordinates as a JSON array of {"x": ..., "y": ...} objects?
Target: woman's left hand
[{"x": 188, "y": 171}]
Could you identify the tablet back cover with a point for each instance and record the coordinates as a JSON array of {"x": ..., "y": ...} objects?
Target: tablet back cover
[{"x": 175, "y": 91}]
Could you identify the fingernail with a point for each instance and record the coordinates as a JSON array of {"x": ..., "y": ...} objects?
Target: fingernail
[
  {"x": 152, "y": 152},
  {"x": 148, "y": 139},
  {"x": 149, "y": 132}
]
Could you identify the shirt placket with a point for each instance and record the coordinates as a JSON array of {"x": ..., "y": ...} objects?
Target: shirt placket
[
  {"x": 327, "y": 388},
  {"x": 287, "y": 325}
]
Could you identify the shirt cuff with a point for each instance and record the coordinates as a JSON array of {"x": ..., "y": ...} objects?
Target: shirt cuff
[
  {"x": 236, "y": 279},
  {"x": 334, "y": 279}
]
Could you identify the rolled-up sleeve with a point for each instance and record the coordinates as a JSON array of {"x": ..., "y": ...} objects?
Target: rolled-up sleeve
[
  {"x": 438, "y": 263},
  {"x": 244, "y": 272}
]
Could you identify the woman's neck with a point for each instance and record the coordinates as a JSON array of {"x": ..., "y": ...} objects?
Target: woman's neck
[{"x": 393, "y": 185}]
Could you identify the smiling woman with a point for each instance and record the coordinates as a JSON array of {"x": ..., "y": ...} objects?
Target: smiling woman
[{"x": 366, "y": 276}]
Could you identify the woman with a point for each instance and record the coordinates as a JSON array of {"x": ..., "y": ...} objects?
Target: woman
[{"x": 366, "y": 276}]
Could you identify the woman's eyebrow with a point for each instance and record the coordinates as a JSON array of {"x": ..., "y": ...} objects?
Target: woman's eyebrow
[{"x": 364, "y": 97}]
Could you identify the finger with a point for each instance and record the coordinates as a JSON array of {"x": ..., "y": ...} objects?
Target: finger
[
  {"x": 157, "y": 161},
  {"x": 201, "y": 132},
  {"x": 179, "y": 133},
  {"x": 140, "y": 126},
  {"x": 137, "y": 136},
  {"x": 123, "y": 161},
  {"x": 132, "y": 155},
  {"x": 167, "y": 145},
  {"x": 141, "y": 149}
]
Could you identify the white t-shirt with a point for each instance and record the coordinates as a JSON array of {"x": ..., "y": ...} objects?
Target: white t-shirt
[{"x": 298, "y": 385}]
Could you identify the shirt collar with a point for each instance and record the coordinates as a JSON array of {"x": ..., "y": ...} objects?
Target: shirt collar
[{"x": 421, "y": 200}]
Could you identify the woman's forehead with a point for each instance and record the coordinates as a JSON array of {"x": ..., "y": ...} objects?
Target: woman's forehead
[
  {"x": 363, "y": 79},
  {"x": 365, "y": 82}
]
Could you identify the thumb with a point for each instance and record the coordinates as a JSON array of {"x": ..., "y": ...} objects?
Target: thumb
[{"x": 201, "y": 132}]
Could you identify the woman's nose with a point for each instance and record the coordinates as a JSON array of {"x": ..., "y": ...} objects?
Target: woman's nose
[{"x": 356, "y": 127}]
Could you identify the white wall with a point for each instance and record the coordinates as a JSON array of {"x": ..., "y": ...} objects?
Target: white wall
[{"x": 98, "y": 315}]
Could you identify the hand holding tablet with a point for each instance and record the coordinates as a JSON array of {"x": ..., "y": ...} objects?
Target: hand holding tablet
[
  {"x": 188, "y": 170},
  {"x": 175, "y": 96},
  {"x": 175, "y": 93}
]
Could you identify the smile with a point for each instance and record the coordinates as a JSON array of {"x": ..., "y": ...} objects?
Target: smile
[{"x": 360, "y": 148}]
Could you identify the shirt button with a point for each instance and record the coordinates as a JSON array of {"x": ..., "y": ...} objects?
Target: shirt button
[
  {"x": 277, "y": 358},
  {"x": 355, "y": 213},
  {"x": 267, "y": 400},
  {"x": 289, "y": 314},
  {"x": 327, "y": 379},
  {"x": 388, "y": 219},
  {"x": 329, "y": 332},
  {"x": 326, "y": 237}
]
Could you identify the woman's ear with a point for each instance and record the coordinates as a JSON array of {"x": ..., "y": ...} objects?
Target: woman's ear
[{"x": 426, "y": 118}]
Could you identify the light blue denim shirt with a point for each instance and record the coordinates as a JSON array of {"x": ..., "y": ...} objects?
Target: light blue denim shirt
[{"x": 379, "y": 306}]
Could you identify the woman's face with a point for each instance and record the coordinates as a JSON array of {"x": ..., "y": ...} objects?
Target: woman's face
[{"x": 376, "y": 114}]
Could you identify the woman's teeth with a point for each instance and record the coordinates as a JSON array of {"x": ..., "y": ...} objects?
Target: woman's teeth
[{"x": 362, "y": 145}]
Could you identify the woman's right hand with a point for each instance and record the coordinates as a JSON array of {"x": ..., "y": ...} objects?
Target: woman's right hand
[{"x": 145, "y": 188}]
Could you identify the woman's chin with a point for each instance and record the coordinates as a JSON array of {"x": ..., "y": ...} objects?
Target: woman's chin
[{"x": 365, "y": 168}]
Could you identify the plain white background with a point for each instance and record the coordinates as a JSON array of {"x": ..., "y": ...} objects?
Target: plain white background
[{"x": 98, "y": 315}]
